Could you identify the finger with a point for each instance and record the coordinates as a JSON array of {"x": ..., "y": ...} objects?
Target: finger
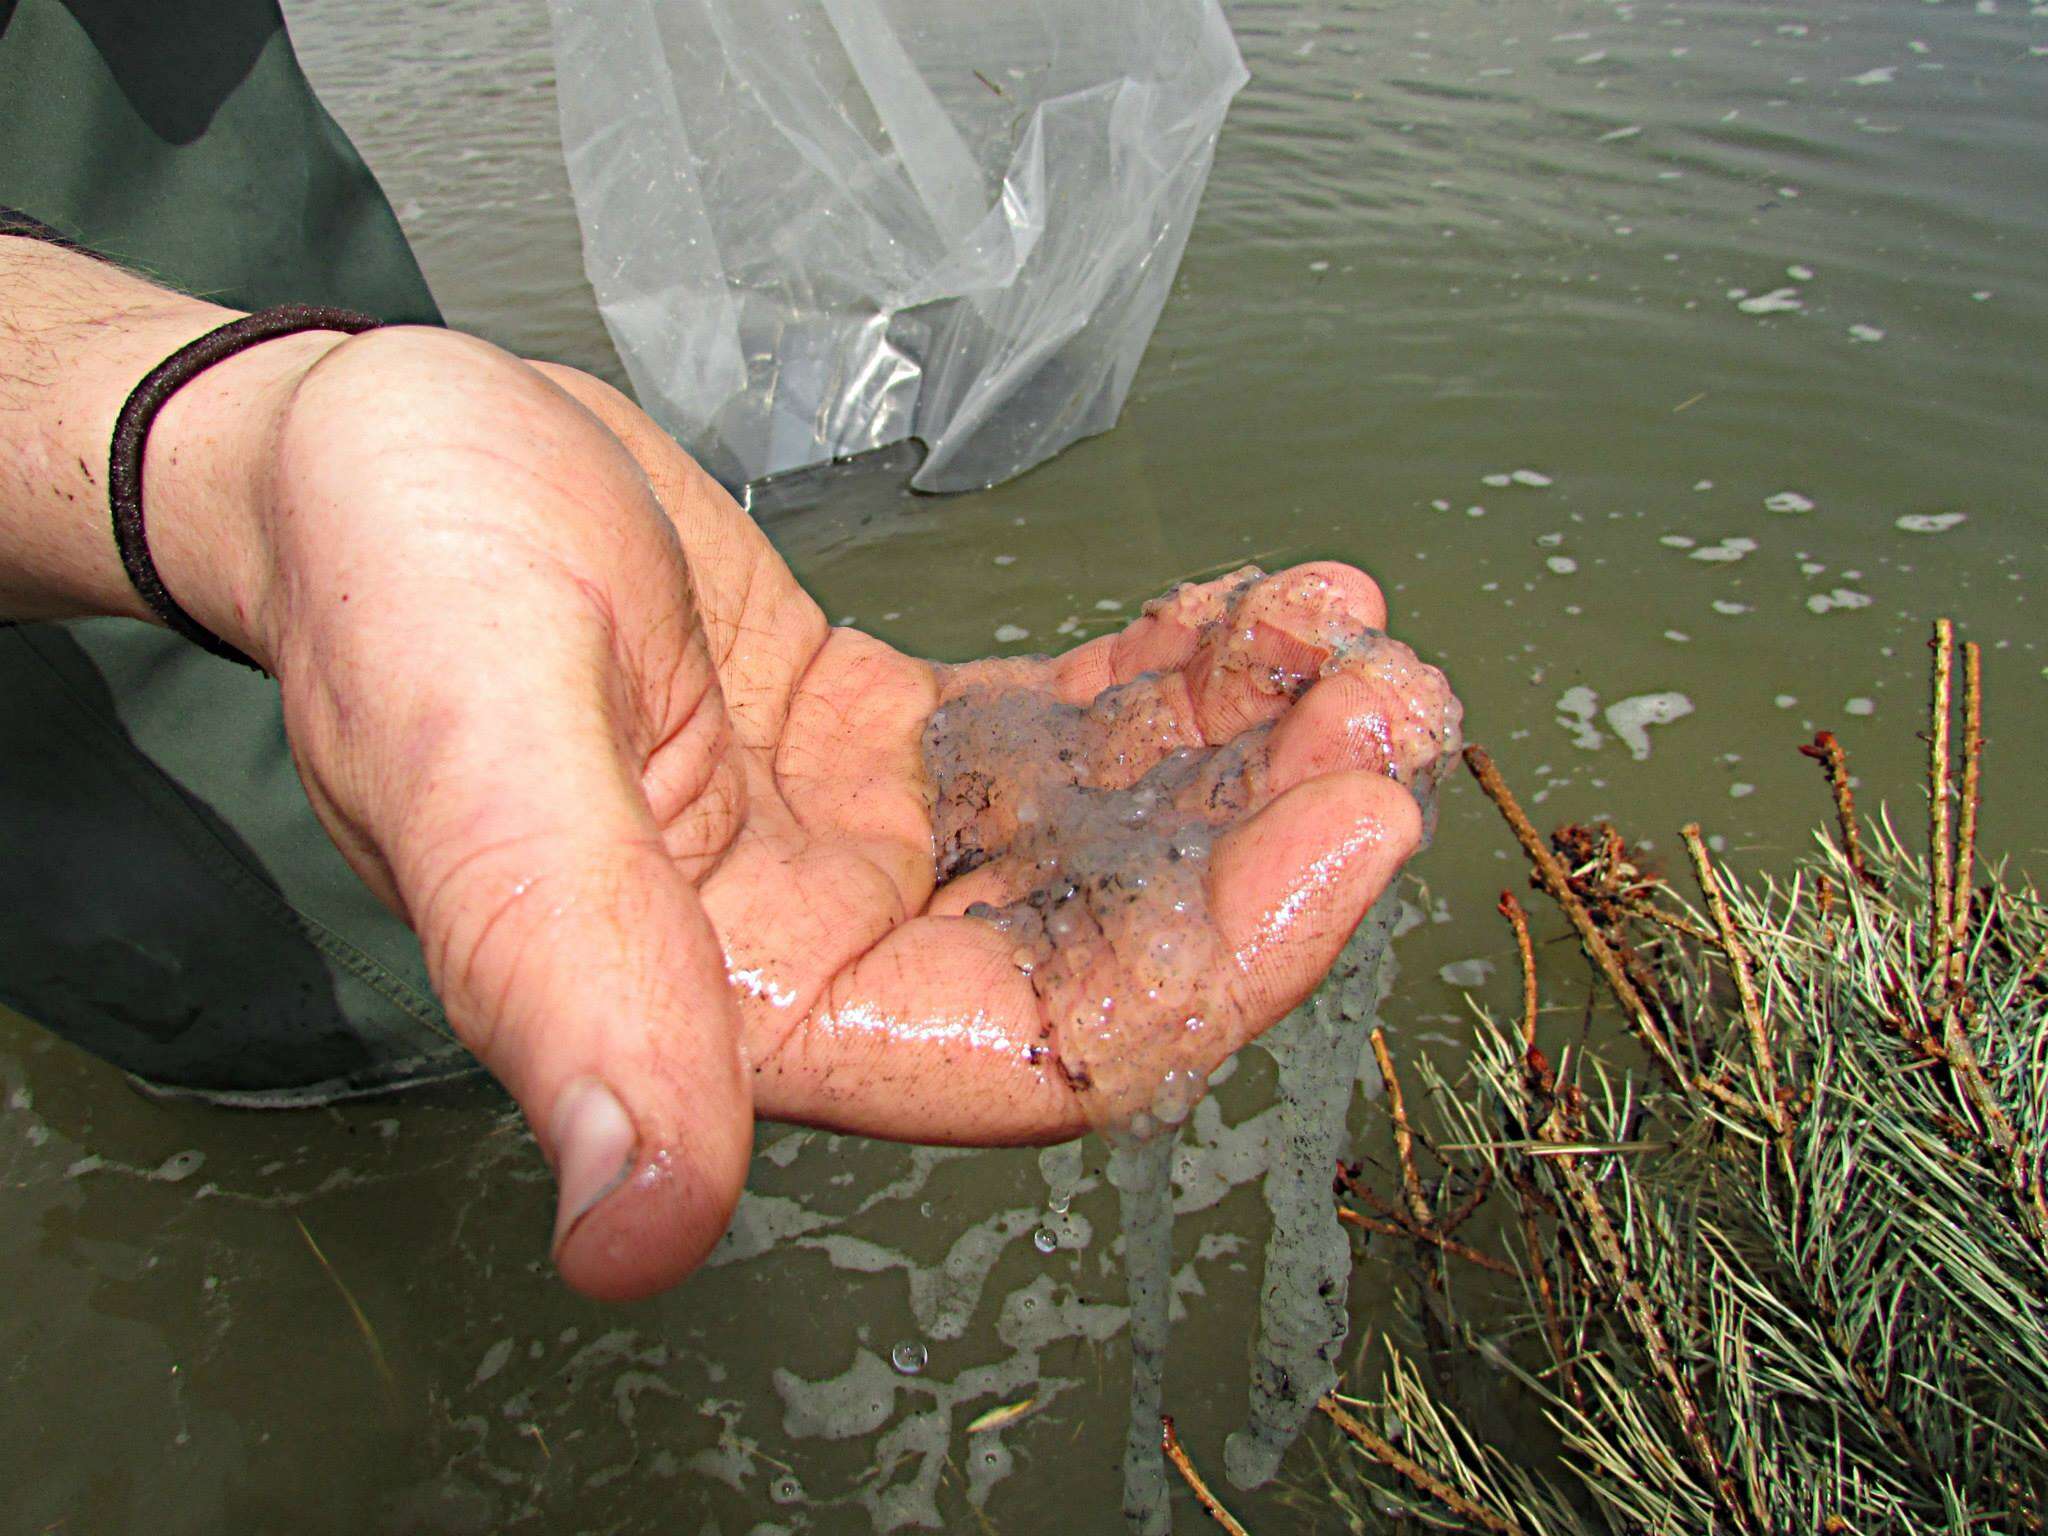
[
  {"x": 1161, "y": 639},
  {"x": 578, "y": 964},
  {"x": 1287, "y": 887},
  {"x": 497, "y": 661},
  {"x": 1383, "y": 710},
  {"x": 1274, "y": 642},
  {"x": 939, "y": 1034},
  {"x": 1384, "y": 713},
  {"x": 1292, "y": 615}
]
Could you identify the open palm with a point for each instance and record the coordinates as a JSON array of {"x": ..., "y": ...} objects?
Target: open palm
[{"x": 668, "y": 838}]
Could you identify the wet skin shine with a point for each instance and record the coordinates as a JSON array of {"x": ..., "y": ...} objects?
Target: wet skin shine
[
  {"x": 1229, "y": 780},
  {"x": 1086, "y": 830},
  {"x": 688, "y": 848}
]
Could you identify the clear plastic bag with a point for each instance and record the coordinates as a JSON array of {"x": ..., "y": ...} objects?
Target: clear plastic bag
[{"x": 816, "y": 227}]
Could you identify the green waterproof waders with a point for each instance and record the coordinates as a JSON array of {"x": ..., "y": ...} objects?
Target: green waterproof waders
[{"x": 167, "y": 899}]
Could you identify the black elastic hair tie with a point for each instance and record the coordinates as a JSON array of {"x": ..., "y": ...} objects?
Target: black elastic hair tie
[{"x": 131, "y": 437}]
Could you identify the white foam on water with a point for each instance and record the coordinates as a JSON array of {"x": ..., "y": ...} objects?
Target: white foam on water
[
  {"x": 1632, "y": 718},
  {"x": 1577, "y": 708},
  {"x": 1143, "y": 1176},
  {"x": 1302, "y": 1318},
  {"x": 1007, "y": 634},
  {"x": 1467, "y": 975},
  {"x": 1727, "y": 552},
  {"x": 1778, "y": 301},
  {"x": 1841, "y": 597},
  {"x": 1788, "y": 501},
  {"x": 1930, "y": 522}
]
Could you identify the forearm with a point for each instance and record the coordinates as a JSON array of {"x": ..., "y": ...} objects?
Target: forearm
[{"x": 76, "y": 336}]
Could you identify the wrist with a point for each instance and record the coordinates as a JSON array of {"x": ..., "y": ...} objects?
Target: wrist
[
  {"x": 76, "y": 338},
  {"x": 211, "y": 490}
]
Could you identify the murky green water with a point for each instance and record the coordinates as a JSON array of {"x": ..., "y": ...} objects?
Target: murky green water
[{"x": 1444, "y": 242}]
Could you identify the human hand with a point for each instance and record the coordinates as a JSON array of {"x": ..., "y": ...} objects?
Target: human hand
[{"x": 667, "y": 837}]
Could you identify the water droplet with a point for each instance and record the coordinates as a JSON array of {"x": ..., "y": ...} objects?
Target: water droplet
[
  {"x": 908, "y": 1357},
  {"x": 1045, "y": 1240},
  {"x": 1177, "y": 1094},
  {"x": 1058, "y": 1204}
]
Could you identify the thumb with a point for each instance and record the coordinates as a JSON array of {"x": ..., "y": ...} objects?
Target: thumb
[{"x": 576, "y": 961}]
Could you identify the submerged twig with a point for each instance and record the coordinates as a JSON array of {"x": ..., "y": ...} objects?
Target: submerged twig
[
  {"x": 1394, "y": 1227},
  {"x": 1415, "y": 1473},
  {"x": 1211, "y": 1505},
  {"x": 362, "y": 1321}
]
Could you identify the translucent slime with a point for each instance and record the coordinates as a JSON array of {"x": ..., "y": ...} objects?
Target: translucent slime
[{"x": 1088, "y": 829}]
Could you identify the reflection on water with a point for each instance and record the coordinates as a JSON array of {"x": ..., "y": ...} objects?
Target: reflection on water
[{"x": 1670, "y": 364}]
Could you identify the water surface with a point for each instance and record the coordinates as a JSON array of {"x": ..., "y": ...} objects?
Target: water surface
[{"x": 1752, "y": 297}]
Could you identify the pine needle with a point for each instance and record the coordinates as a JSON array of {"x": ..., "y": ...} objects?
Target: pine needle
[{"x": 362, "y": 1322}]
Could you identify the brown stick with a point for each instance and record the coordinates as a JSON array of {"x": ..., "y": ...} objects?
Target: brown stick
[
  {"x": 1966, "y": 830},
  {"x": 1211, "y": 1505},
  {"x": 1643, "y": 907},
  {"x": 1940, "y": 871},
  {"x": 1553, "y": 878},
  {"x": 1640, "y": 1313},
  {"x": 1518, "y": 920},
  {"x": 1835, "y": 764},
  {"x": 1752, "y": 1006},
  {"x": 1461, "y": 1213},
  {"x": 1397, "y": 1227},
  {"x": 1416, "y": 1474},
  {"x": 1404, "y": 1139}
]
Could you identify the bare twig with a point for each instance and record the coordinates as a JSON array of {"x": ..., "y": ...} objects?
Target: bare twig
[
  {"x": 1211, "y": 1505},
  {"x": 1640, "y": 1313},
  {"x": 1395, "y": 1226},
  {"x": 1940, "y": 870},
  {"x": 1647, "y": 909},
  {"x": 1752, "y": 1006},
  {"x": 1417, "y": 1475},
  {"x": 1966, "y": 828},
  {"x": 1827, "y": 751},
  {"x": 1461, "y": 1213},
  {"x": 1404, "y": 1139},
  {"x": 1518, "y": 920},
  {"x": 1554, "y": 880}
]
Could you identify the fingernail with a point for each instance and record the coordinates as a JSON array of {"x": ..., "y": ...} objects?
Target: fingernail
[{"x": 594, "y": 1141}]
